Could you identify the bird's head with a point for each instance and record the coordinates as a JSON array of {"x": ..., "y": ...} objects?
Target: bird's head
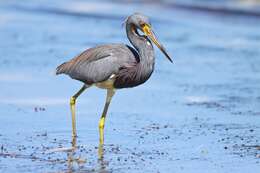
[{"x": 142, "y": 23}]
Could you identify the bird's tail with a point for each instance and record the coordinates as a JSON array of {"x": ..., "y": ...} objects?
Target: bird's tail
[{"x": 61, "y": 68}]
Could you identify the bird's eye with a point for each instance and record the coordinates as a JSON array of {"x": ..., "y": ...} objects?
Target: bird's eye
[{"x": 142, "y": 25}]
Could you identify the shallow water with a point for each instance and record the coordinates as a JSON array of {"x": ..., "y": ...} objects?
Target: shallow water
[{"x": 199, "y": 114}]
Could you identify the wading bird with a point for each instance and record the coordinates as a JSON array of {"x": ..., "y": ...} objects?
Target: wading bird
[{"x": 115, "y": 66}]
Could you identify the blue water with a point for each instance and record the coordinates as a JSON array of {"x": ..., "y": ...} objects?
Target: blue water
[{"x": 199, "y": 114}]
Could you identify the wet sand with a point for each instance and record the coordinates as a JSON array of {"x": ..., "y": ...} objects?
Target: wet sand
[{"x": 199, "y": 114}]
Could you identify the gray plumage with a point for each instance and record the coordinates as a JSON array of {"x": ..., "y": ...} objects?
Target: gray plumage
[
  {"x": 131, "y": 67},
  {"x": 114, "y": 65}
]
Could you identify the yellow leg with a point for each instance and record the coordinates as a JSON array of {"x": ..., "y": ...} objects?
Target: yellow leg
[
  {"x": 110, "y": 93},
  {"x": 72, "y": 107},
  {"x": 101, "y": 129}
]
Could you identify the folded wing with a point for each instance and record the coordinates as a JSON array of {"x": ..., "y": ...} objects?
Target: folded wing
[{"x": 99, "y": 63}]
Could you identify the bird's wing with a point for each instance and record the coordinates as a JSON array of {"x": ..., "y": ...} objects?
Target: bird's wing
[{"x": 99, "y": 63}]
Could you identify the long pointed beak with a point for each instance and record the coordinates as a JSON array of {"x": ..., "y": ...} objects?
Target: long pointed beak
[{"x": 148, "y": 32}]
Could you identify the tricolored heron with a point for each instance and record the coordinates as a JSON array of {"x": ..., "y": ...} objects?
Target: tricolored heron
[{"x": 115, "y": 66}]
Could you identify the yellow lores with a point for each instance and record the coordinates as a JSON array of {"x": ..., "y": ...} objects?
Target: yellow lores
[{"x": 146, "y": 29}]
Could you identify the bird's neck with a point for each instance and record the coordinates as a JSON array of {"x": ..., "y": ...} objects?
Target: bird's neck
[{"x": 143, "y": 46}]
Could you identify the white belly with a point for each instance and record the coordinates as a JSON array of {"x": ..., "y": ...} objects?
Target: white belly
[{"x": 108, "y": 84}]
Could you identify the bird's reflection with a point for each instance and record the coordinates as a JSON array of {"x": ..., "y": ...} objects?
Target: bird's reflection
[
  {"x": 72, "y": 158},
  {"x": 71, "y": 153},
  {"x": 102, "y": 163},
  {"x": 76, "y": 161}
]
